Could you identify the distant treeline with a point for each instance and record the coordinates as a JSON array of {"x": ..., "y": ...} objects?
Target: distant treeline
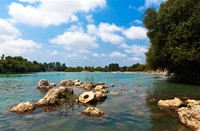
[{"x": 18, "y": 64}]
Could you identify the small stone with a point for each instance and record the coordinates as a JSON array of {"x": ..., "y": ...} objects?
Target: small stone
[
  {"x": 112, "y": 85},
  {"x": 123, "y": 90},
  {"x": 114, "y": 93},
  {"x": 92, "y": 111}
]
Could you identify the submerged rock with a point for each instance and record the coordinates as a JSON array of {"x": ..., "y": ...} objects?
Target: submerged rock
[
  {"x": 23, "y": 107},
  {"x": 44, "y": 84},
  {"x": 176, "y": 102},
  {"x": 190, "y": 115},
  {"x": 92, "y": 111},
  {"x": 87, "y": 97},
  {"x": 114, "y": 93},
  {"x": 54, "y": 96}
]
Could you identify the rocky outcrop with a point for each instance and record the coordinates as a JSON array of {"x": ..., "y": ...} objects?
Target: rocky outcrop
[
  {"x": 92, "y": 111},
  {"x": 67, "y": 83},
  {"x": 54, "y": 96},
  {"x": 87, "y": 97},
  {"x": 176, "y": 102},
  {"x": 44, "y": 84},
  {"x": 24, "y": 107},
  {"x": 190, "y": 115}
]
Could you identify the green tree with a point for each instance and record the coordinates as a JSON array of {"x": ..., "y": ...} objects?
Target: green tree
[{"x": 173, "y": 31}]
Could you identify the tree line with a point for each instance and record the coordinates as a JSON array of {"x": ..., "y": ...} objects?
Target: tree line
[
  {"x": 18, "y": 64},
  {"x": 173, "y": 31}
]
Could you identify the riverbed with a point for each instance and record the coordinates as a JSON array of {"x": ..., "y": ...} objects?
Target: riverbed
[{"x": 135, "y": 110}]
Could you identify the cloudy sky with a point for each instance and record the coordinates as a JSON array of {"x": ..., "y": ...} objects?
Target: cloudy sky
[{"x": 75, "y": 32}]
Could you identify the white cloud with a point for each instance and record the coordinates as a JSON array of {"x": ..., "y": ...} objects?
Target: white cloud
[
  {"x": 135, "y": 32},
  {"x": 149, "y": 3},
  {"x": 54, "y": 52},
  {"x": 10, "y": 41},
  {"x": 73, "y": 18},
  {"x": 136, "y": 50},
  {"x": 89, "y": 19},
  {"x": 95, "y": 55},
  {"x": 18, "y": 47},
  {"x": 29, "y": 1},
  {"x": 75, "y": 41},
  {"x": 134, "y": 59},
  {"x": 109, "y": 33},
  {"x": 51, "y": 12},
  {"x": 116, "y": 54},
  {"x": 8, "y": 31},
  {"x": 137, "y": 21}
]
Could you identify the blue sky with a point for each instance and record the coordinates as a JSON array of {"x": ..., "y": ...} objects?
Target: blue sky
[{"x": 75, "y": 32}]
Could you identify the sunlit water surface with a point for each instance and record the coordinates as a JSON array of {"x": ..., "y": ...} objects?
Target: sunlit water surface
[{"x": 134, "y": 110}]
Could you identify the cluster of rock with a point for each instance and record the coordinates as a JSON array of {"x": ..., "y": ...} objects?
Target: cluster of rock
[
  {"x": 188, "y": 115},
  {"x": 55, "y": 96}
]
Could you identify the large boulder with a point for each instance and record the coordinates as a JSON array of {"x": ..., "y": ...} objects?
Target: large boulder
[
  {"x": 87, "y": 97},
  {"x": 87, "y": 86},
  {"x": 190, "y": 115},
  {"x": 24, "y": 107},
  {"x": 54, "y": 96},
  {"x": 44, "y": 84},
  {"x": 92, "y": 111},
  {"x": 176, "y": 102},
  {"x": 67, "y": 82}
]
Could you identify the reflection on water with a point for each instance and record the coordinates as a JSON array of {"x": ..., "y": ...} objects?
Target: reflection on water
[{"x": 134, "y": 109}]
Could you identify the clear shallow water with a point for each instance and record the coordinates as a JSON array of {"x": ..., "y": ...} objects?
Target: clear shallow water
[{"x": 134, "y": 110}]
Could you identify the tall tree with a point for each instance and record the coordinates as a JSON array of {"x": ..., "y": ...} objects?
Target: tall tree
[{"x": 173, "y": 31}]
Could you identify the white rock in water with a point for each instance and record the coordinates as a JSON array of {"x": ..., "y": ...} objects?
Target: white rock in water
[
  {"x": 92, "y": 111},
  {"x": 176, "y": 102}
]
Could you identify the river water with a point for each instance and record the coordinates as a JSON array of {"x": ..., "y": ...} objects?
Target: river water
[{"x": 134, "y": 110}]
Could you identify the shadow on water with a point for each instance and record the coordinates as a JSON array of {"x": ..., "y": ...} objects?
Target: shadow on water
[{"x": 167, "y": 119}]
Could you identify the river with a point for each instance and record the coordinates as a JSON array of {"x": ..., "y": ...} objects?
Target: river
[{"x": 134, "y": 110}]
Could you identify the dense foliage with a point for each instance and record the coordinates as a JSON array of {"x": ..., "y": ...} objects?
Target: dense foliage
[
  {"x": 173, "y": 31},
  {"x": 20, "y": 65}
]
